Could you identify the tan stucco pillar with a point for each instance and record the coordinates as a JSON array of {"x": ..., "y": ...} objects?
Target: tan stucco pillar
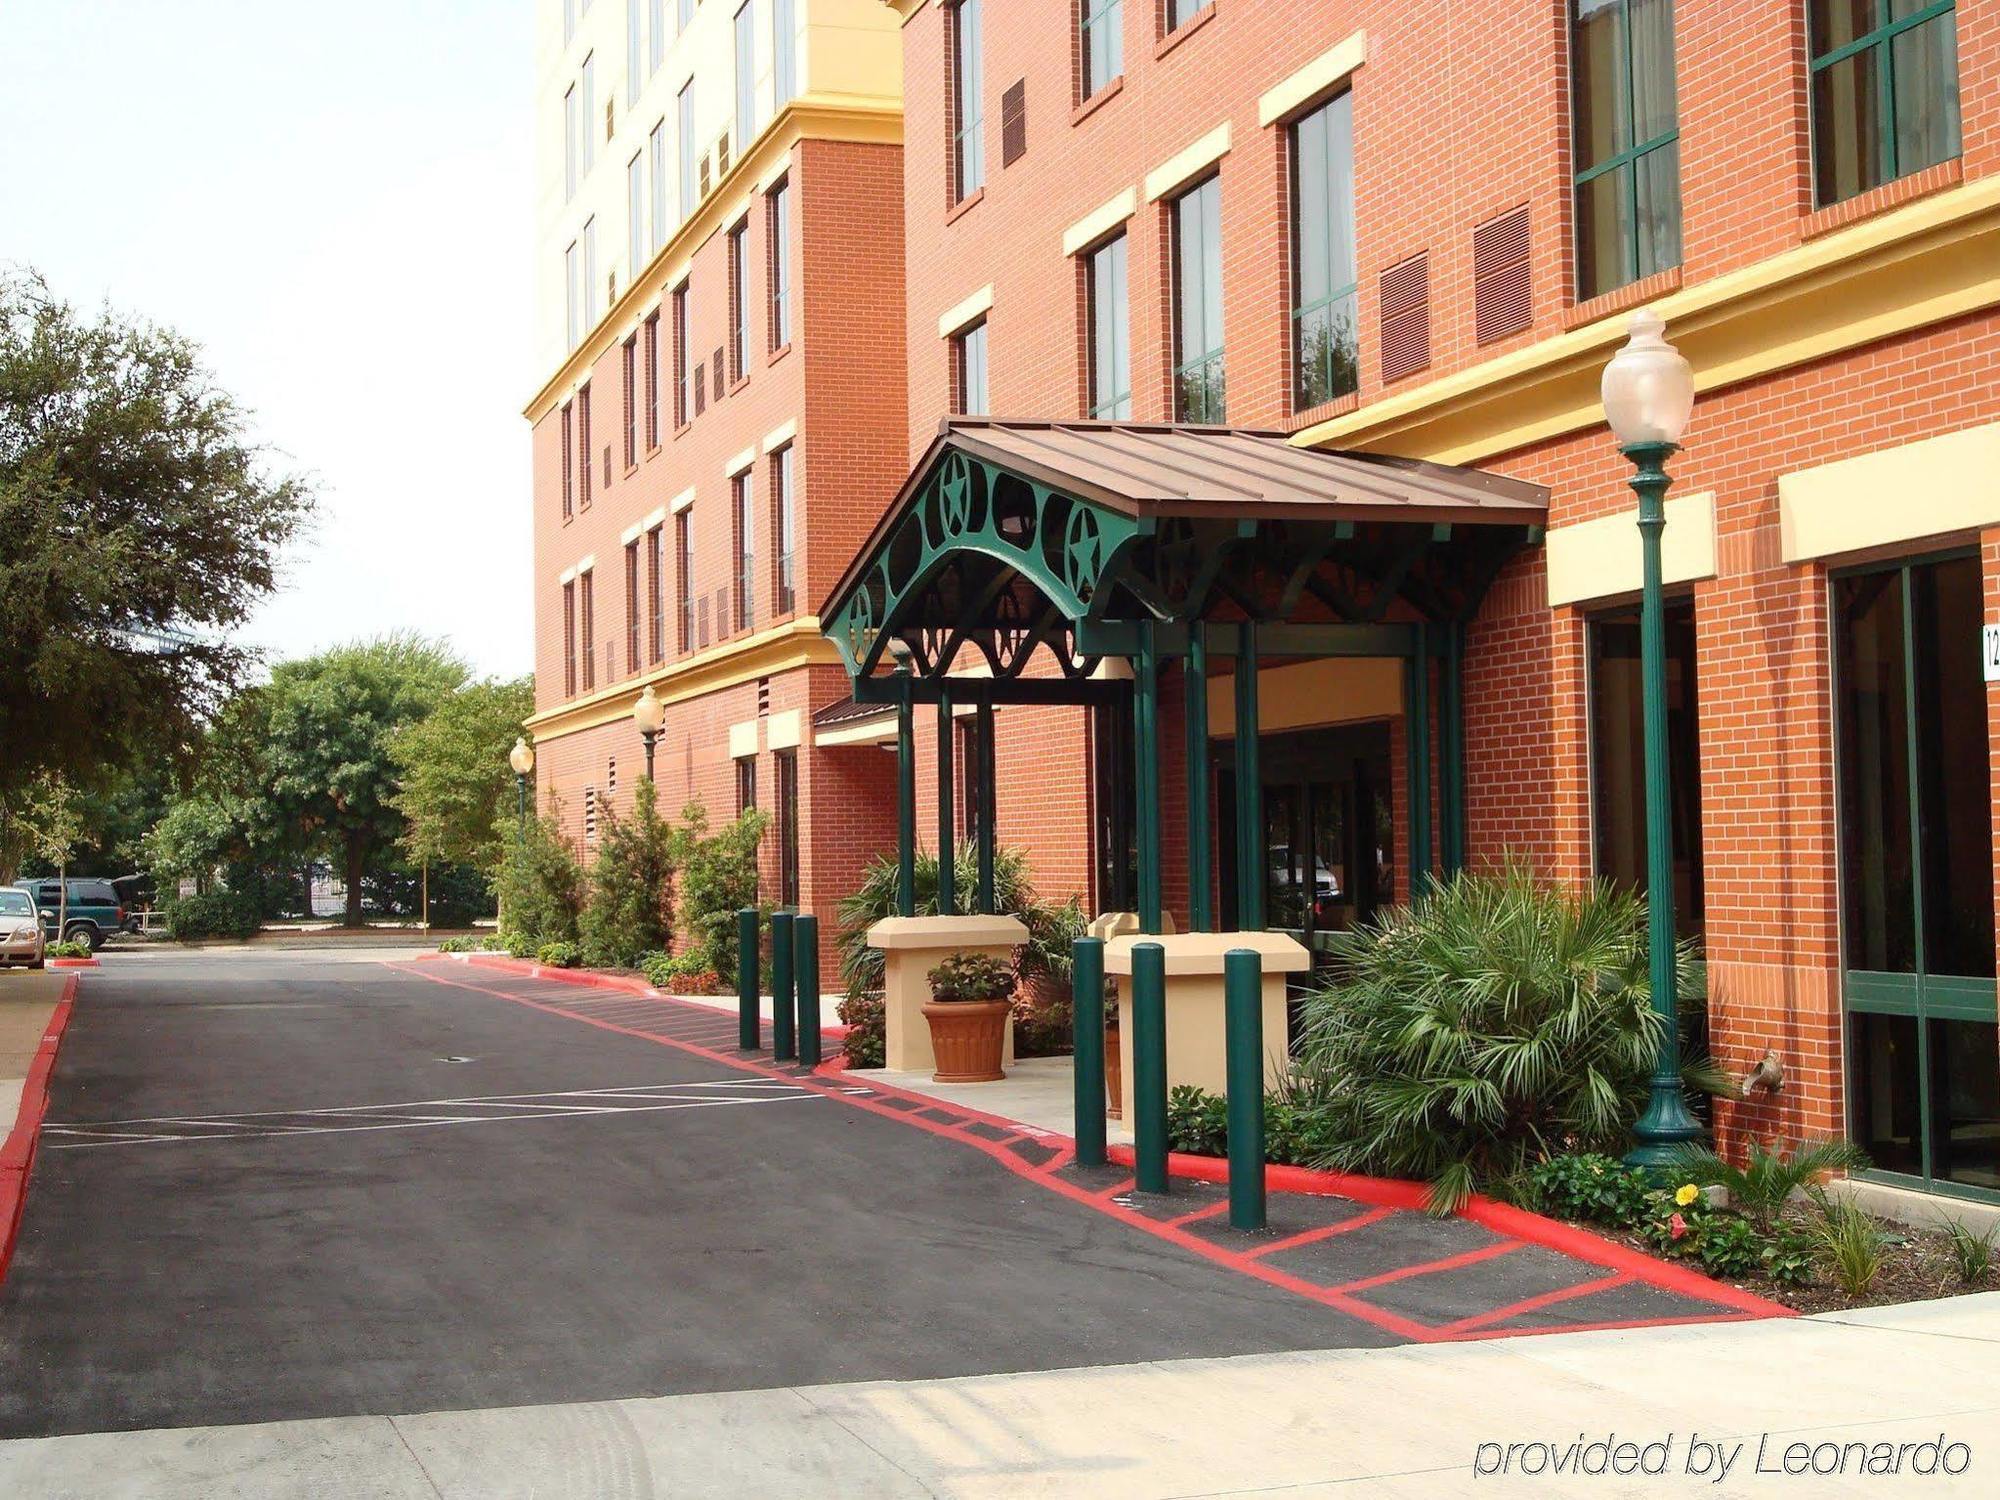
[
  {"x": 1197, "y": 1051},
  {"x": 911, "y": 948}
]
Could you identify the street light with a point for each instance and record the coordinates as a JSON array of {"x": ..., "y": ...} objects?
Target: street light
[
  {"x": 1648, "y": 396},
  {"x": 649, "y": 713},
  {"x": 522, "y": 759}
]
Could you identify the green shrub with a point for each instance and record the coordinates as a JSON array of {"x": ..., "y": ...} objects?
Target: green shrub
[
  {"x": 866, "y": 1018},
  {"x": 1052, "y": 927},
  {"x": 680, "y": 974},
  {"x": 972, "y": 976},
  {"x": 1852, "y": 1243},
  {"x": 630, "y": 907},
  {"x": 1496, "y": 1019},
  {"x": 1197, "y": 1121},
  {"x": 1788, "y": 1257},
  {"x": 212, "y": 914},
  {"x": 718, "y": 878},
  {"x": 1592, "y": 1187},
  {"x": 1765, "y": 1183},
  {"x": 541, "y": 888},
  {"x": 78, "y": 948},
  {"x": 559, "y": 955},
  {"x": 493, "y": 942},
  {"x": 456, "y": 945},
  {"x": 1972, "y": 1252}
]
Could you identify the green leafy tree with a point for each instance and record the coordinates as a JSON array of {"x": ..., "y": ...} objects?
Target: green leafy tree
[
  {"x": 541, "y": 887},
  {"x": 456, "y": 784},
  {"x": 630, "y": 909},
  {"x": 45, "y": 822},
  {"x": 140, "y": 528},
  {"x": 718, "y": 878}
]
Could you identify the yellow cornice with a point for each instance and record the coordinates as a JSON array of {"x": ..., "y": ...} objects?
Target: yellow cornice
[
  {"x": 906, "y": 8},
  {"x": 1933, "y": 259},
  {"x": 796, "y": 643},
  {"x": 811, "y": 117}
]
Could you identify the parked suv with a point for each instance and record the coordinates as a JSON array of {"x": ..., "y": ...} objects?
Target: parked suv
[
  {"x": 94, "y": 911},
  {"x": 20, "y": 933}
]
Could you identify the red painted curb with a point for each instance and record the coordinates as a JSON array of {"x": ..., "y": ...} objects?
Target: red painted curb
[
  {"x": 1502, "y": 1218},
  {"x": 529, "y": 970},
  {"x": 17, "y": 1155},
  {"x": 74, "y": 963}
]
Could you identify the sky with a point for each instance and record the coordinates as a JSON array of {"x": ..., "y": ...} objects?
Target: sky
[{"x": 336, "y": 201}]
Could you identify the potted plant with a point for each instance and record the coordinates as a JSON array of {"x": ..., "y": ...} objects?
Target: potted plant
[{"x": 967, "y": 1011}]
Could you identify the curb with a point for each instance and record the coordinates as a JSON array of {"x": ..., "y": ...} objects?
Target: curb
[
  {"x": 17, "y": 1155},
  {"x": 593, "y": 980},
  {"x": 74, "y": 963}
]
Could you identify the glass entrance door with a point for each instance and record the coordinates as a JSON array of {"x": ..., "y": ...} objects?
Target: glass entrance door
[{"x": 1916, "y": 833}]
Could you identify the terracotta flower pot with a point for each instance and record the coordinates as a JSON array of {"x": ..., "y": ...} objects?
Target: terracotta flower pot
[
  {"x": 1114, "y": 1070},
  {"x": 968, "y": 1038}
]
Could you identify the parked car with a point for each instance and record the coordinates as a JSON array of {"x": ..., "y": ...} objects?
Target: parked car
[
  {"x": 93, "y": 911},
  {"x": 20, "y": 932}
]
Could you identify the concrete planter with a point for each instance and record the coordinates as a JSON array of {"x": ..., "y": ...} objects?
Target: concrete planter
[{"x": 967, "y": 1039}]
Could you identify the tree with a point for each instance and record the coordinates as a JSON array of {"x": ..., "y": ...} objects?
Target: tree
[
  {"x": 541, "y": 887},
  {"x": 718, "y": 878},
  {"x": 45, "y": 822},
  {"x": 630, "y": 908},
  {"x": 140, "y": 528},
  {"x": 457, "y": 790}
]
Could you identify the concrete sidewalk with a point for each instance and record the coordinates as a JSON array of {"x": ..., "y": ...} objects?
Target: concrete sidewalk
[
  {"x": 1405, "y": 1422},
  {"x": 28, "y": 997}
]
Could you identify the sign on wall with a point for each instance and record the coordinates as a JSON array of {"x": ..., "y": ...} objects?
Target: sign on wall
[{"x": 1989, "y": 651}]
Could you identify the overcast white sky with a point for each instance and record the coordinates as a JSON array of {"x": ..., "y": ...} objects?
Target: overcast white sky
[{"x": 336, "y": 200}]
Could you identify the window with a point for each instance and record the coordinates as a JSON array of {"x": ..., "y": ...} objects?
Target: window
[
  {"x": 683, "y": 13},
  {"x": 785, "y": 530},
  {"x": 968, "y": 149},
  {"x": 632, "y": 51},
  {"x": 743, "y": 539},
  {"x": 1325, "y": 341},
  {"x": 587, "y": 112},
  {"x": 1197, "y": 241},
  {"x": 652, "y": 359},
  {"x": 656, "y": 35},
  {"x": 684, "y": 126},
  {"x": 631, "y": 375},
  {"x": 568, "y": 459},
  {"x": 586, "y": 627},
  {"x": 583, "y": 447},
  {"x": 969, "y": 370},
  {"x": 1102, "y": 43},
  {"x": 1110, "y": 333},
  {"x": 656, "y": 173},
  {"x": 684, "y": 576},
  {"x": 1884, "y": 91},
  {"x": 739, "y": 298},
  {"x": 589, "y": 273},
  {"x": 746, "y": 784},
  {"x": 784, "y": 51},
  {"x": 681, "y": 374},
  {"x": 1618, "y": 756},
  {"x": 1627, "y": 132},
  {"x": 569, "y": 639},
  {"x": 573, "y": 293},
  {"x": 778, "y": 224},
  {"x": 572, "y": 141},
  {"x": 1180, "y": 12},
  {"x": 786, "y": 763},
  {"x": 746, "y": 76},
  {"x": 632, "y": 606},
  {"x": 569, "y": 21},
  {"x": 635, "y": 215},
  {"x": 656, "y": 592}
]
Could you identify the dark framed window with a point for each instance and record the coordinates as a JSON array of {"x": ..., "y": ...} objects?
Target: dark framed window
[
  {"x": 743, "y": 539},
  {"x": 583, "y": 447},
  {"x": 630, "y": 356},
  {"x": 1180, "y": 12},
  {"x": 739, "y": 300},
  {"x": 746, "y": 76},
  {"x": 746, "y": 784},
  {"x": 684, "y": 134},
  {"x": 1627, "y": 135},
  {"x": 1101, "y": 42},
  {"x": 684, "y": 576},
  {"x": 656, "y": 591},
  {"x": 632, "y": 606},
  {"x": 784, "y": 530},
  {"x": 683, "y": 374},
  {"x": 569, "y": 639},
  {"x": 1618, "y": 756},
  {"x": 968, "y": 148},
  {"x": 652, "y": 359},
  {"x": 568, "y": 459},
  {"x": 1197, "y": 290},
  {"x": 968, "y": 370},
  {"x": 784, "y": 51},
  {"x": 1110, "y": 313},
  {"x": 586, "y": 605},
  {"x": 1884, "y": 91},
  {"x": 1325, "y": 318},
  {"x": 778, "y": 222},
  {"x": 786, "y": 764}
]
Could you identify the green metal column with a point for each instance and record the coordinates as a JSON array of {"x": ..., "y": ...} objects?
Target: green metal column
[
  {"x": 1417, "y": 732},
  {"x": 1087, "y": 988},
  {"x": 1667, "y": 1122},
  {"x": 906, "y": 799},
  {"x": 805, "y": 968},
  {"x": 988, "y": 795},
  {"x": 947, "y": 881},
  {"x": 1250, "y": 857},
  {"x": 749, "y": 1026},
  {"x": 1243, "y": 1003},
  {"x": 1201, "y": 910},
  {"x": 784, "y": 1043},
  {"x": 1451, "y": 734},
  {"x": 1146, "y": 752},
  {"x": 1149, "y": 1066}
]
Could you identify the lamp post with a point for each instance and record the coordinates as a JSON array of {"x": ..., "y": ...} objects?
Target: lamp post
[
  {"x": 522, "y": 759},
  {"x": 649, "y": 714},
  {"x": 1648, "y": 394}
]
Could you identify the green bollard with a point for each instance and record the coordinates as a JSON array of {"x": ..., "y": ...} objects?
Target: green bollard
[
  {"x": 805, "y": 938},
  {"x": 1149, "y": 1065},
  {"x": 749, "y": 1027},
  {"x": 1087, "y": 986},
  {"x": 784, "y": 1047},
  {"x": 1243, "y": 1001}
]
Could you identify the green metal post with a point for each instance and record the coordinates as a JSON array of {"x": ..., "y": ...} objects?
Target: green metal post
[
  {"x": 1146, "y": 752},
  {"x": 947, "y": 833},
  {"x": 1243, "y": 1003},
  {"x": 987, "y": 816},
  {"x": 1417, "y": 730},
  {"x": 1201, "y": 911},
  {"x": 1667, "y": 1122},
  {"x": 805, "y": 969},
  {"x": 1087, "y": 988},
  {"x": 784, "y": 1043},
  {"x": 1149, "y": 1065},
  {"x": 1250, "y": 856},
  {"x": 1451, "y": 734},
  {"x": 749, "y": 1025},
  {"x": 906, "y": 799},
  {"x": 521, "y": 811}
]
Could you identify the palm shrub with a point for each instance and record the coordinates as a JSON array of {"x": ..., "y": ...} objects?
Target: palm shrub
[
  {"x": 717, "y": 879},
  {"x": 630, "y": 910},
  {"x": 541, "y": 888},
  {"x": 1496, "y": 1020},
  {"x": 1053, "y": 927},
  {"x": 1762, "y": 1186}
]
